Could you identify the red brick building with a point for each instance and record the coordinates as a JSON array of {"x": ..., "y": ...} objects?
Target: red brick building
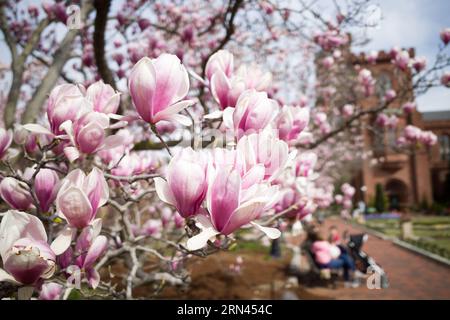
[{"x": 421, "y": 175}]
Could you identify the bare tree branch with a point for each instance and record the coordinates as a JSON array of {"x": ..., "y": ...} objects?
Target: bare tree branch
[
  {"x": 102, "y": 8},
  {"x": 53, "y": 73},
  {"x": 17, "y": 63}
]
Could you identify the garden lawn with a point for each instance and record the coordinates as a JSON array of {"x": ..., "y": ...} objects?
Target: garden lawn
[{"x": 433, "y": 232}]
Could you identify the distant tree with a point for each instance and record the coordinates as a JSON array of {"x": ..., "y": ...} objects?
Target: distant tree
[{"x": 380, "y": 204}]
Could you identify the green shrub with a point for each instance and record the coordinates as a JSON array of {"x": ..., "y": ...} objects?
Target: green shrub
[{"x": 380, "y": 198}]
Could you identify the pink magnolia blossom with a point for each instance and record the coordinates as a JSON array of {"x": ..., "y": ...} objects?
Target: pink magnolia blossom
[
  {"x": 118, "y": 58},
  {"x": 80, "y": 197},
  {"x": 135, "y": 163},
  {"x": 226, "y": 91},
  {"x": 304, "y": 165},
  {"x": 80, "y": 118},
  {"x": 46, "y": 186},
  {"x": 220, "y": 157},
  {"x": 412, "y": 133},
  {"x": 51, "y": 291},
  {"x": 419, "y": 63},
  {"x": 157, "y": 87},
  {"x": 24, "y": 250},
  {"x": 112, "y": 155},
  {"x": 340, "y": 17},
  {"x": 6, "y": 137},
  {"x": 445, "y": 79},
  {"x": 325, "y": 128},
  {"x": 87, "y": 135},
  {"x": 254, "y": 77},
  {"x": 266, "y": 151},
  {"x": 394, "y": 52},
  {"x": 303, "y": 101},
  {"x": 409, "y": 107},
  {"x": 347, "y": 110},
  {"x": 186, "y": 184},
  {"x": 253, "y": 112},
  {"x": 339, "y": 198},
  {"x": 401, "y": 141},
  {"x": 347, "y": 204},
  {"x": 428, "y": 138},
  {"x": 231, "y": 205},
  {"x": 322, "y": 197},
  {"x": 445, "y": 35},
  {"x": 222, "y": 60},
  {"x": 167, "y": 216},
  {"x": 337, "y": 54},
  {"x": 402, "y": 60},
  {"x": 367, "y": 82},
  {"x": 64, "y": 103},
  {"x": 33, "y": 10},
  {"x": 15, "y": 193},
  {"x": 330, "y": 39},
  {"x": 348, "y": 190},
  {"x": 372, "y": 57},
  {"x": 103, "y": 97},
  {"x": 25, "y": 138},
  {"x": 89, "y": 246},
  {"x": 390, "y": 95},
  {"x": 392, "y": 122},
  {"x": 300, "y": 206},
  {"x": 226, "y": 85},
  {"x": 151, "y": 227},
  {"x": 178, "y": 220},
  {"x": 291, "y": 121},
  {"x": 382, "y": 120},
  {"x": 320, "y": 118},
  {"x": 328, "y": 62}
]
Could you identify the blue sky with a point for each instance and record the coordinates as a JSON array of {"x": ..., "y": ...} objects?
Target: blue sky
[{"x": 414, "y": 23}]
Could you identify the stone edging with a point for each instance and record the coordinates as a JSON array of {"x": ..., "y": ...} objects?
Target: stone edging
[{"x": 402, "y": 244}]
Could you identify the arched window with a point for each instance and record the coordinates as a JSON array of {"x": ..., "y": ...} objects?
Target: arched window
[
  {"x": 444, "y": 147},
  {"x": 383, "y": 84}
]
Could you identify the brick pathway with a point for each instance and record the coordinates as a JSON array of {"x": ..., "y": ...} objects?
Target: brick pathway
[{"x": 411, "y": 276}]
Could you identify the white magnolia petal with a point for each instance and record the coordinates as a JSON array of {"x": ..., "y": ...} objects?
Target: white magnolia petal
[
  {"x": 115, "y": 116},
  {"x": 63, "y": 240},
  {"x": 118, "y": 125},
  {"x": 163, "y": 191},
  {"x": 200, "y": 240},
  {"x": 37, "y": 128},
  {"x": 113, "y": 141},
  {"x": 228, "y": 117},
  {"x": 71, "y": 153},
  {"x": 272, "y": 233},
  {"x": 67, "y": 126},
  {"x": 173, "y": 109},
  {"x": 183, "y": 120},
  {"x": 214, "y": 115},
  {"x": 96, "y": 225}
]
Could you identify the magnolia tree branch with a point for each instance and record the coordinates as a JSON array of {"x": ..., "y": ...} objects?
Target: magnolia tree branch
[
  {"x": 61, "y": 56},
  {"x": 18, "y": 63},
  {"x": 102, "y": 7},
  {"x": 9, "y": 38}
]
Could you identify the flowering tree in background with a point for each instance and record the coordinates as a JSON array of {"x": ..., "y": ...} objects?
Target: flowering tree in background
[{"x": 138, "y": 134}]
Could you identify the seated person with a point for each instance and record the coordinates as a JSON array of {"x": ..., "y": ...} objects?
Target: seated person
[
  {"x": 330, "y": 256},
  {"x": 334, "y": 236}
]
